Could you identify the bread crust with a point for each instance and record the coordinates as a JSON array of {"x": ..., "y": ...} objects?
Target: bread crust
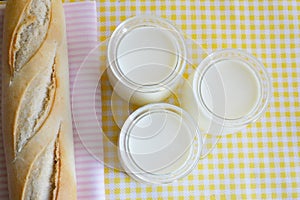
[{"x": 56, "y": 126}]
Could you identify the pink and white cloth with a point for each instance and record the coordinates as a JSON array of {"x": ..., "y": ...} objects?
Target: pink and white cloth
[{"x": 82, "y": 36}]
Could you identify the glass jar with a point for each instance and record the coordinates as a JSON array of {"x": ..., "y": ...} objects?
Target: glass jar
[
  {"x": 159, "y": 143},
  {"x": 229, "y": 90},
  {"x": 146, "y": 59}
]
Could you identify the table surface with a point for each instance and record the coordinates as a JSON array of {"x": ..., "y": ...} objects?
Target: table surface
[{"x": 261, "y": 161}]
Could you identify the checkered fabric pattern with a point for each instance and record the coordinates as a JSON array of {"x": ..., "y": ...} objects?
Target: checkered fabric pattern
[{"x": 263, "y": 160}]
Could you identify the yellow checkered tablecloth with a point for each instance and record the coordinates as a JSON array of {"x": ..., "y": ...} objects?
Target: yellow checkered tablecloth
[{"x": 260, "y": 162}]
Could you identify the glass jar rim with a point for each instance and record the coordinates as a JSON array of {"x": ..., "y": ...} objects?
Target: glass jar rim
[
  {"x": 139, "y": 174},
  {"x": 151, "y": 21},
  {"x": 262, "y": 77}
]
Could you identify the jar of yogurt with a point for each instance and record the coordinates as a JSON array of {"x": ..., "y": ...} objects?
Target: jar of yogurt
[
  {"x": 159, "y": 143},
  {"x": 229, "y": 90},
  {"x": 146, "y": 59}
]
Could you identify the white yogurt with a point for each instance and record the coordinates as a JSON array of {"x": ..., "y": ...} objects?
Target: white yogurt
[
  {"x": 146, "y": 58},
  {"x": 228, "y": 90},
  {"x": 159, "y": 143},
  {"x": 147, "y": 55}
]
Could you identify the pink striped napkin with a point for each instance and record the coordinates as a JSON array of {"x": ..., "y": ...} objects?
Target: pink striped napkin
[{"x": 81, "y": 19}]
